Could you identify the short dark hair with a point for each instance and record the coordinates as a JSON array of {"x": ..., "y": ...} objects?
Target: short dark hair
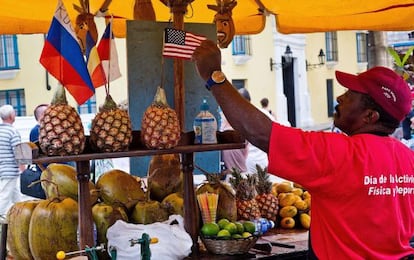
[
  {"x": 264, "y": 102},
  {"x": 36, "y": 110},
  {"x": 385, "y": 119}
]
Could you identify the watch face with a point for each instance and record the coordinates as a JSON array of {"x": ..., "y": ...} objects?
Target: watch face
[{"x": 218, "y": 76}]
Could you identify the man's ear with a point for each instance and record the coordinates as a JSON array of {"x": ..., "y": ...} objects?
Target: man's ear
[{"x": 371, "y": 116}]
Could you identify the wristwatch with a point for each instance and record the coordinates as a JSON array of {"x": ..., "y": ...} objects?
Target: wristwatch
[{"x": 216, "y": 78}]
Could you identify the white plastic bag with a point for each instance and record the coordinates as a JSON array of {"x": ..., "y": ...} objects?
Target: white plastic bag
[{"x": 173, "y": 241}]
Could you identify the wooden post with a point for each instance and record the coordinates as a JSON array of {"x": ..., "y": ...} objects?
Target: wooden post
[
  {"x": 191, "y": 218},
  {"x": 84, "y": 206}
]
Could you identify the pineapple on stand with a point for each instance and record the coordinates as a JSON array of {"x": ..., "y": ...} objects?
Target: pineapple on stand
[
  {"x": 61, "y": 130},
  {"x": 268, "y": 202},
  {"x": 160, "y": 128},
  {"x": 247, "y": 206},
  {"x": 111, "y": 128}
]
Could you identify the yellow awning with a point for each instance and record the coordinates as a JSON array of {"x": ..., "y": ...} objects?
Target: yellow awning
[{"x": 293, "y": 16}]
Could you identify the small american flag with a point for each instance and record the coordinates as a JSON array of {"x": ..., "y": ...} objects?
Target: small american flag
[{"x": 180, "y": 44}]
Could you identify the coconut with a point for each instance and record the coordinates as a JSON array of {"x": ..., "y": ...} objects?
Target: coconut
[
  {"x": 18, "y": 219},
  {"x": 53, "y": 227},
  {"x": 147, "y": 212},
  {"x": 119, "y": 187},
  {"x": 226, "y": 207},
  {"x": 61, "y": 180},
  {"x": 164, "y": 176},
  {"x": 174, "y": 203}
]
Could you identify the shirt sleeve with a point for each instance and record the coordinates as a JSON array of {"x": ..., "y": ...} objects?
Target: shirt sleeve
[{"x": 306, "y": 157}]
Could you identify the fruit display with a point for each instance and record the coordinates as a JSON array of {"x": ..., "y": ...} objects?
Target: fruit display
[
  {"x": 294, "y": 205},
  {"x": 61, "y": 130},
  {"x": 246, "y": 203},
  {"x": 111, "y": 128},
  {"x": 226, "y": 229},
  {"x": 160, "y": 128}
]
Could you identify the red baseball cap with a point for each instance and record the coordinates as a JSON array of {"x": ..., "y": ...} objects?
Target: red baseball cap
[{"x": 386, "y": 87}]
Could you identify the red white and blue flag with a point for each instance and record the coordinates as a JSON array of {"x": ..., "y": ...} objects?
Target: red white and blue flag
[
  {"x": 180, "y": 44},
  {"x": 109, "y": 55},
  {"x": 63, "y": 58},
  {"x": 94, "y": 64}
]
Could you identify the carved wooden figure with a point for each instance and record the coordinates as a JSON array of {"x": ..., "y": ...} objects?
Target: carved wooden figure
[{"x": 224, "y": 21}]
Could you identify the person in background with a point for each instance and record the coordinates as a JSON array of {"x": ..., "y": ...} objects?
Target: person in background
[
  {"x": 38, "y": 114},
  {"x": 361, "y": 182},
  {"x": 9, "y": 169},
  {"x": 264, "y": 102},
  {"x": 235, "y": 158}
]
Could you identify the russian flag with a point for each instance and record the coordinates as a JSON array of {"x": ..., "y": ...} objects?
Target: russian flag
[
  {"x": 94, "y": 64},
  {"x": 62, "y": 57},
  {"x": 109, "y": 55}
]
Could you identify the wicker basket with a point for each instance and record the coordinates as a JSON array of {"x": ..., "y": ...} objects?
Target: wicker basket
[{"x": 229, "y": 246}]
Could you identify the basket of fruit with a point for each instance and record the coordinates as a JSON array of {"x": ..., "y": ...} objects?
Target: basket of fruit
[{"x": 228, "y": 238}]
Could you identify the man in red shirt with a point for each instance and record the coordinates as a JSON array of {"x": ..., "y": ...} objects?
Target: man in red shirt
[{"x": 362, "y": 182}]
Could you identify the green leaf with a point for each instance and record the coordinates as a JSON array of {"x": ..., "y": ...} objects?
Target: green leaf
[
  {"x": 396, "y": 57},
  {"x": 407, "y": 55}
]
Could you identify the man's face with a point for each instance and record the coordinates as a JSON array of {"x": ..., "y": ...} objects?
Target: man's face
[
  {"x": 225, "y": 29},
  {"x": 349, "y": 112}
]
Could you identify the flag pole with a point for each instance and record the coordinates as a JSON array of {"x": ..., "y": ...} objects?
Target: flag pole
[{"x": 109, "y": 49}]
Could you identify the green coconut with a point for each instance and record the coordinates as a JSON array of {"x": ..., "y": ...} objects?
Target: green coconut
[
  {"x": 18, "y": 219},
  {"x": 147, "y": 212},
  {"x": 53, "y": 227},
  {"x": 119, "y": 187},
  {"x": 61, "y": 180}
]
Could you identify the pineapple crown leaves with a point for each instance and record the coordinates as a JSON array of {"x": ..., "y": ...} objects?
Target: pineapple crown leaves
[
  {"x": 109, "y": 104},
  {"x": 263, "y": 184},
  {"x": 236, "y": 178},
  {"x": 160, "y": 98},
  {"x": 59, "y": 98}
]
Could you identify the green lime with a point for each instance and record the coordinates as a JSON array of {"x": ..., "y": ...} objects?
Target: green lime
[
  {"x": 236, "y": 236},
  {"x": 210, "y": 229},
  {"x": 246, "y": 234},
  {"x": 249, "y": 226},
  {"x": 224, "y": 234},
  {"x": 231, "y": 227},
  {"x": 222, "y": 222},
  {"x": 240, "y": 228}
]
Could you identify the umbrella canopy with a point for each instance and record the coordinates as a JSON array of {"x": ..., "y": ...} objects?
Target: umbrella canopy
[{"x": 293, "y": 16}]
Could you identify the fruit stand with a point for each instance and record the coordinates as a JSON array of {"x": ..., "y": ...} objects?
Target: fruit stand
[{"x": 226, "y": 140}]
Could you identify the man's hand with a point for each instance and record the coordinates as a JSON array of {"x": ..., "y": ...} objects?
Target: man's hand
[{"x": 207, "y": 58}]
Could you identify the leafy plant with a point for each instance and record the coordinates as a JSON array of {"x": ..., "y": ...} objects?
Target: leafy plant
[{"x": 397, "y": 58}]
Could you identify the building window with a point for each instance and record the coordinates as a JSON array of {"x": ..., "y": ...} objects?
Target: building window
[
  {"x": 362, "y": 47},
  {"x": 9, "y": 56},
  {"x": 88, "y": 107},
  {"x": 331, "y": 102},
  {"x": 241, "y": 45},
  {"x": 14, "y": 97},
  {"x": 331, "y": 41}
]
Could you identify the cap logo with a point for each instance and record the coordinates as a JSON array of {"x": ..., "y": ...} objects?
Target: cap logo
[{"x": 388, "y": 93}]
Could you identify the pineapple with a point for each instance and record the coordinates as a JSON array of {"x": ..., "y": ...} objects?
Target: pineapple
[
  {"x": 111, "y": 128},
  {"x": 61, "y": 130},
  {"x": 160, "y": 128},
  {"x": 247, "y": 207},
  {"x": 268, "y": 203}
]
